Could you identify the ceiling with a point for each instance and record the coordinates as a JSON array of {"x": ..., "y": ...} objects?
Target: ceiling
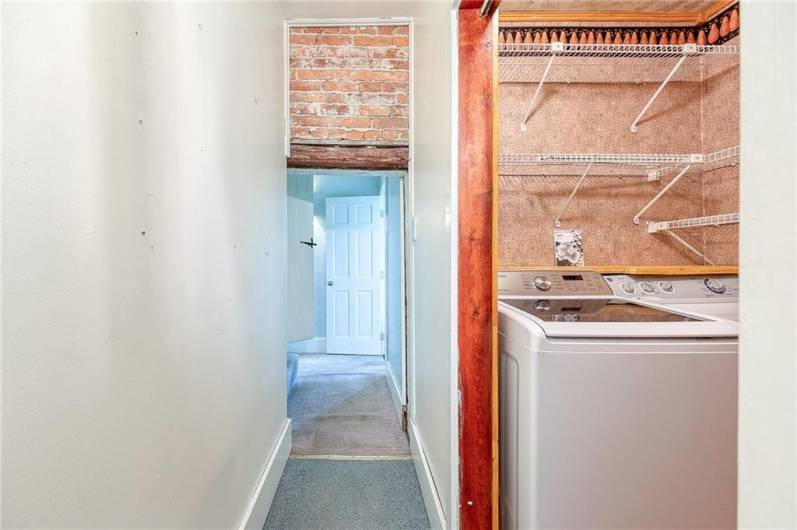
[{"x": 642, "y": 6}]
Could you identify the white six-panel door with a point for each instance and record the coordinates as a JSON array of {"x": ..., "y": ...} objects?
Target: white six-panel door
[{"x": 355, "y": 272}]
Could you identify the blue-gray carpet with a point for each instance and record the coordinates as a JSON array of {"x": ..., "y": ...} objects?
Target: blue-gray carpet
[{"x": 347, "y": 495}]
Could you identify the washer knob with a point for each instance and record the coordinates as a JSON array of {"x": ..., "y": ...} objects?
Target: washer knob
[
  {"x": 646, "y": 287},
  {"x": 542, "y": 283},
  {"x": 628, "y": 287},
  {"x": 666, "y": 287},
  {"x": 714, "y": 285},
  {"x": 542, "y": 305}
]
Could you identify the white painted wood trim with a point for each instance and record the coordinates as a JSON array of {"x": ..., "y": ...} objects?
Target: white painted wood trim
[
  {"x": 431, "y": 499},
  {"x": 454, "y": 375},
  {"x": 395, "y": 393},
  {"x": 259, "y": 504},
  {"x": 314, "y": 345},
  {"x": 331, "y": 22}
]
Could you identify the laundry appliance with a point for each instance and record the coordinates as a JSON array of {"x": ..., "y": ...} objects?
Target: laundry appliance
[
  {"x": 712, "y": 295},
  {"x": 614, "y": 412}
]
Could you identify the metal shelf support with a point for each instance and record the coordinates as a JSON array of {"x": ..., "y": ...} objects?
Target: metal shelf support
[
  {"x": 662, "y": 192},
  {"x": 555, "y": 47},
  {"x": 572, "y": 194},
  {"x": 687, "y": 50},
  {"x": 690, "y": 247}
]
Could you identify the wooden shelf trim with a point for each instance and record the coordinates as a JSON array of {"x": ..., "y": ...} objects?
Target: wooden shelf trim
[
  {"x": 692, "y": 18},
  {"x": 657, "y": 270}
]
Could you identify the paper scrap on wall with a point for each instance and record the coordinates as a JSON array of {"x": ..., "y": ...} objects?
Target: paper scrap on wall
[{"x": 568, "y": 248}]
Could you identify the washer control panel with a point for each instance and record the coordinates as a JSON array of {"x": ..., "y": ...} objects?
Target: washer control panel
[
  {"x": 675, "y": 288},
  {"x": 551, "y": 283}
]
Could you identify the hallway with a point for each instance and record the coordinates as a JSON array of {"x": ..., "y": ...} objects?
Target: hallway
[{"x": 350, "y": 465}]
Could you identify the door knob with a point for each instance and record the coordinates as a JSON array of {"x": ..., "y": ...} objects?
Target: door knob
[{"x": 330, "y": 283}]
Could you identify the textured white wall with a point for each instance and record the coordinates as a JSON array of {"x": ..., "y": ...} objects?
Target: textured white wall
[
  {"x": 768, "y": 260},
  {"x": 143, "y": 231}
]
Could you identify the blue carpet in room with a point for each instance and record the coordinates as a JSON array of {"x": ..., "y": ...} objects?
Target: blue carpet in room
[{"x": 347, "y": 494}]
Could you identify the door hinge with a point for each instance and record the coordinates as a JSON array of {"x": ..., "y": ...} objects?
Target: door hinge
[
  {"x": 381, "y": 213},
  {"x": 404, "y": 418},
  {"x": 382, "y": 335}
]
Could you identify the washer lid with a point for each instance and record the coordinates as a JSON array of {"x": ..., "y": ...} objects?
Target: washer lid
[{"x": 615, "y": 317}]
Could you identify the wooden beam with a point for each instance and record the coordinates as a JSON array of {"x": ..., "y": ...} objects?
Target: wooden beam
[
  {"x": 348, "y": 156},
  {"x": 657, "y": 270},
  {"x": 477, "y": 313},
  {"x": 688, "y": 18}
]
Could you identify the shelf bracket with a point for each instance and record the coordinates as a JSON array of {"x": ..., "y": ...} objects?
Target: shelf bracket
[
  {"x": 687, "y": 49},
  {"x": 662, "y": 192},
  {"x": 555, "y": 46},
  {"x": 572, "y": 194},
  {"x": 690, "y": 247}
]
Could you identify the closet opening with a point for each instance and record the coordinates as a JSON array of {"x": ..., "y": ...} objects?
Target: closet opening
[{"x": 618, "y": 186}]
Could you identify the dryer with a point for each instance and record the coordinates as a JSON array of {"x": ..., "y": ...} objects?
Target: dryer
[{"x": 614, "y": 412}]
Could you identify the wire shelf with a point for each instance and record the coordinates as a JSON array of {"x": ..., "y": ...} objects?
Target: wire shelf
[
  {"x": 652, "y": 166},
  {"x": 612, "y": 63},
  {"x": 694, "y": 222}
]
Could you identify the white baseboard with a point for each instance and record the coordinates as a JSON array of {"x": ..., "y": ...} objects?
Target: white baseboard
[
  {"x": 257, "y": 509},
  {"x": 314, "y": 345},
  {"x": 431, "y": 499},
  {"x": 394, "y": 391}
]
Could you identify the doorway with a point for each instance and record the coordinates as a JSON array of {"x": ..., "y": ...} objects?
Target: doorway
[{"x": 346, "y": 276}]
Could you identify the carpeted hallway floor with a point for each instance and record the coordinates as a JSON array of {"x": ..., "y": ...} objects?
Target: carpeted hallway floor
[
  {"x": 342, "y": 406},
  {"x": 351, "y": 466},
  {"x": 347, "y": 494}
]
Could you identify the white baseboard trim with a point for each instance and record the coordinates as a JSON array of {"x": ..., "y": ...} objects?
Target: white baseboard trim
[
  {"x": 434, "y": 508},
  {"x": 394, "y": 391},
  {"x": 257, "y": 509},
  {"x": 314, "y": 345}
]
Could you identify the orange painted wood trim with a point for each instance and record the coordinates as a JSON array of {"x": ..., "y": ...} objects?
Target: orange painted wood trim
[
  {"x": 691, "y": 18},
  {"x": 658, "y": 270},
  {"x": 476, "y": 337}
]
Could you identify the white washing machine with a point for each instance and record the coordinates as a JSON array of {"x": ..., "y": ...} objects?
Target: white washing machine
[
  {"x": 712, "y": 295},
  {"x": 615, "y": 413}
]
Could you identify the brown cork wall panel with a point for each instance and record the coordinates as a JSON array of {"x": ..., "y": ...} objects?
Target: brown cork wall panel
[
  {"x": 591, "y": 118},
  {"x": 603, "y": 210}
]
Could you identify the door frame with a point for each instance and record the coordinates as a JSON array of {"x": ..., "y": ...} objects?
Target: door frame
[{"x": 408, "y": 189}]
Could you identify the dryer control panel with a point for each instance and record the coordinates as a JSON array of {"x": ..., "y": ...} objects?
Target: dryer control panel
[{"x": 552, "y": 283}]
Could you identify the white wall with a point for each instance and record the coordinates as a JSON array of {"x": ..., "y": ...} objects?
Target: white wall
[
  {"x": 432, "y": 278},
  {"x": 144, "y": 262},
  {"x": 768, "y": 248}
]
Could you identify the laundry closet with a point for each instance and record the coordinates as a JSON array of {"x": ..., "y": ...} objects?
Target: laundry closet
[{"x": 618, "y": 138}]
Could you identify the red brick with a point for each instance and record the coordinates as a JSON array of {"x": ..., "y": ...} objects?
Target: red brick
[
  {"x": 354, "y": 135},
  {"x": 373, "y": 40},
  {"x": 401, "y": 111},
  {"x": 391, "y": 123},
  {"x": 402, "y": 30},
  {"x": 364, "y": 30},
  {"x": 299, "y": 96},
  {"x": 339, "y": 86},
  {"x": 316, "y": 121},
  {"x": 324, "y": 30},
  {"x": 327, "y": 109},
  {"x": 318, "y": 73},
  {"x": 395, "y": 87},
  {"x": 307, "y": 40},
  {"x": 403, "y": 99},
  {"x": 374, "y": 110},
  {"x": 370, "y": 87},
  {"x": 305, "y": 86},
  {"x": 334, "y": 40},
  {"x": 371, "y": 134},
  {"x": 354, "y": 123},
  {"x": 401, "y": 41}
]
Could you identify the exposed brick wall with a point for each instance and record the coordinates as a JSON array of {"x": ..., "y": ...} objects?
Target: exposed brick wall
[{"x": 350, "y": 85}]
